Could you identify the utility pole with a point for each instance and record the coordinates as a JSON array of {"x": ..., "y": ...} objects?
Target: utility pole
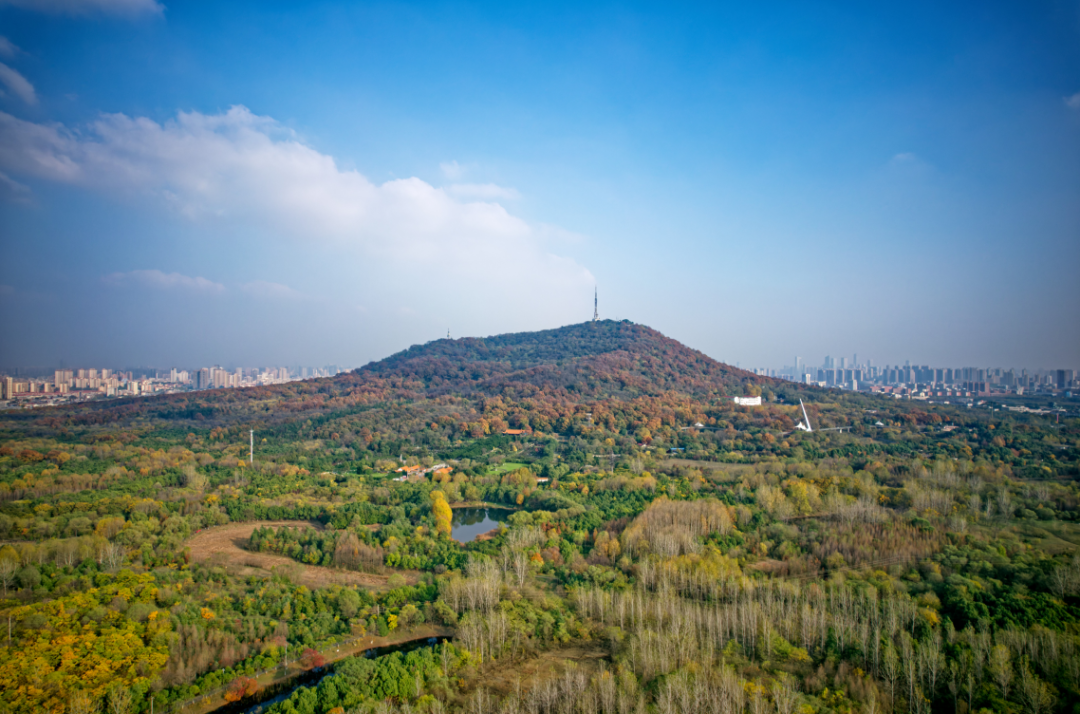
[{"x": 251, "y": 449}]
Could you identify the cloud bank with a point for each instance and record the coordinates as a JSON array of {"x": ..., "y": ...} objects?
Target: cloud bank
[
  {"x": 454, "y": 250},
  {"x": 237, "y": 165}
]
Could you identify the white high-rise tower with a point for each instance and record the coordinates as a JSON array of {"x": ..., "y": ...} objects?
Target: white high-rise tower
[{"x": 595, "y": 306}]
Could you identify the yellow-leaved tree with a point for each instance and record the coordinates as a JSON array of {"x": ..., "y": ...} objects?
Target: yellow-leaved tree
[
  {"x": 75, "y": 649},
  {"x": 441, "y": 510}
]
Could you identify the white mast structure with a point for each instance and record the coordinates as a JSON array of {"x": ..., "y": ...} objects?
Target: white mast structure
[
  {"x": 805, "y": 424},
  {"x": 595, "y": 306},
  {"x": 251, "y": 449}
]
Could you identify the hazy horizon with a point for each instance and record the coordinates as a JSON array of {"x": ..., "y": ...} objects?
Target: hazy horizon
[
  {"x": 809, "y": 363},
  {"x": 328, "y": 184}
]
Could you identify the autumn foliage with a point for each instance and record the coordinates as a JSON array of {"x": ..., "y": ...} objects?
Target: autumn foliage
[
  {"x": 312, "y": 659},
  {"x": 82, "y": 642},
  {"x": 241, "y": 687},
  {"x": 674, "y": 527},
  {"x": 444, "y": 516}
]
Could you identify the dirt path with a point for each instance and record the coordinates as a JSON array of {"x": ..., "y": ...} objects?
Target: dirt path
[{"x": 224, "y": 546}]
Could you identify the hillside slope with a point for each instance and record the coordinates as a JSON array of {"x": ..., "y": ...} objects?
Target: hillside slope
[
  {"x": 592, "y": 359},
  {"x": 548, "y": 379}
]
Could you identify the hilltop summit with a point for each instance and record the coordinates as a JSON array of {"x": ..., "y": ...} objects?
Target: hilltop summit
[{"x": 593, "y": 359}]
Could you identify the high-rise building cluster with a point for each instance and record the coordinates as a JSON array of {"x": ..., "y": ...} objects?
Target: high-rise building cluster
[
  {"x": 927, "y": 381},
  {"x": 66, "y": 385}
]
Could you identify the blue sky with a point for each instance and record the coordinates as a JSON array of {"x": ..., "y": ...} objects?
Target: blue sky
[{"x": 264, "y": 183}]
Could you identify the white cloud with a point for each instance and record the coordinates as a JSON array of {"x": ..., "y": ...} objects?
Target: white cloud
[
  {"x": 88, "y": 7},
  {"x": 159, "y": 280},
  {"x": 452, "y": 170},
  {"x": 909, "y": 164},
  {"x": 237, "y": 167},
  {"x": 272, "y": 291},
  {"x": 482, "y": 191},
  {"x": 7, "y": 48},
  {"x": 17, "y": 84},
  {"x": 1073, "y": 102},
  {"x": 12, "y": 190}
]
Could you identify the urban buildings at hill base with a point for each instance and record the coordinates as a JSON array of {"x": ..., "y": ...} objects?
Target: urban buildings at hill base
[
  {"x": 70, "y": 385},
  {"x": 925, "y": 382}
]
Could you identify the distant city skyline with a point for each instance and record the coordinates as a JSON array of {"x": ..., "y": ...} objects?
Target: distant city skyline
[
  {"x": 64, "y": 385},
  {"x": 799, "y": 366},
  {"x": 242, "y": 183},
  {"x": 777, "y": 366}
]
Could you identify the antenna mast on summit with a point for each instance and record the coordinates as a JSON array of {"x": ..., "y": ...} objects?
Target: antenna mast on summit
[{"x": 595, "y": 306}]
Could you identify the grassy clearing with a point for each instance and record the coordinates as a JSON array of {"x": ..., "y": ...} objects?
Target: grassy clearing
[
  {"x": 225, "y": 546},
  {"x": 506, "y": 467}
]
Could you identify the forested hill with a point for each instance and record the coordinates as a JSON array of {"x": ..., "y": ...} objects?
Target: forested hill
[
  {"x": 513, "y": 379},
  {"x": 592, "y": 359}
]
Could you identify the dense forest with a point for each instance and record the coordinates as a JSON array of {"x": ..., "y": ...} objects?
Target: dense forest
[{"x": 662, "y": 549}]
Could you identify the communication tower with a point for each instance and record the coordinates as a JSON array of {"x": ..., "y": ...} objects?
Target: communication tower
[{"x": 595, "y": 306}]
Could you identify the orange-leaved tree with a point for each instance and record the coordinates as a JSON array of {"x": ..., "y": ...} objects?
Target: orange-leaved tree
[{"x": 241, "y": 687}]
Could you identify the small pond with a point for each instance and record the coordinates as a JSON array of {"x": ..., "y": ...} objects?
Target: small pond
[{"x": 471, "y": 522}]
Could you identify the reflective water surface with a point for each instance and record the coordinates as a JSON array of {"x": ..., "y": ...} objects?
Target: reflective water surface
[{"x": 471, "y": 522}]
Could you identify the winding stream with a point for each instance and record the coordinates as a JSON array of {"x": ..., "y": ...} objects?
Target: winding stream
[{"x": 283, "y": 690}]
